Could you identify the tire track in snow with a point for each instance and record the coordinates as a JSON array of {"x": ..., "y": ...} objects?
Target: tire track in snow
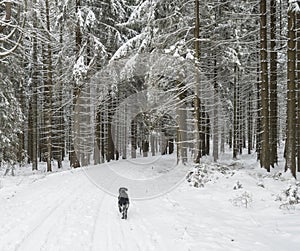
[
  {"x": 111, "y": 233},
  {"x": 71, "y": 192},
  {"x": 82, "y": 212},
  {"x": 14, "y": 221},
  {"x": 96, "y": 220},
  {"x": 96, "y": 244},
  {"x": 108, "y": 232},
  {"x": 50, "y": 212}
]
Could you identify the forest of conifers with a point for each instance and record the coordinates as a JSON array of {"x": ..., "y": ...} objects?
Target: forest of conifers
[{"x": 95, "y": 81}]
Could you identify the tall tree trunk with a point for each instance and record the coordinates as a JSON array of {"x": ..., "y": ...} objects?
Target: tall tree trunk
[
  {"x": 145, "y": 147},
  {"x": 182, "y": 126},
  {"x": 7, "y": 16},
  {"x": 207, "y": 134},
  {"x": 250, "y": 121},
  {"x": 258, "y": 116},
  {"x": 97, "y": 159},
  {"x": 265, "y": 152},
  {"x": 273, "y": 85},
  {"x": 61, "y": 145},
  {"x": 133, "y": 138},
  {"x": 291, "y": 95},
  {"x": 197, "y": 147},
  {"x": 239, "y": 117},
  {"x": 216, "y": 115},
  {"x": 298, "y": 92},
  {"x": 74, "y": 161},
  {"x": 34, "y": 131},
  {"x": 235, "y": 122},
  {"x": 110, "y": 155},
  {"x": 48, "y": 91},
  {"x": 21, "y": 134}
]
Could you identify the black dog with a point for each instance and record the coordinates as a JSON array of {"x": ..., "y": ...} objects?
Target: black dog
[{"x": 123, "y": 202}]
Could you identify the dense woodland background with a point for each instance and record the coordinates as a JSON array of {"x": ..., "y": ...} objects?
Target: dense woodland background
[{"x": 230, "y": 68}]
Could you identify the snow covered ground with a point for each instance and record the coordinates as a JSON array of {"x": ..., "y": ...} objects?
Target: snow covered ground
[{"x": 236, "y": 207}]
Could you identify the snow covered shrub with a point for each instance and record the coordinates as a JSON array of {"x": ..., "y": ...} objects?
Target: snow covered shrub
[
  {"x": 289, "y": 197},
  {"x": 204, "y": 173},
  {"x": 238, "y": 185},
  {"x": 198, "y": 176},
  {"x": 242, "y": 200}
]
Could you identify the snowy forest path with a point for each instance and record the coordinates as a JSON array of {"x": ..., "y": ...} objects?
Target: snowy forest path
[
  {"x": 69, "y": 210},
  {"x": 66, "y": 211},
  {"x": 46, "y": 216}
]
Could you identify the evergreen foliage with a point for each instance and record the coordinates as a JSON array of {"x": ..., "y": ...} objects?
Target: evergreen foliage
[{"x": 218, "y": 79}]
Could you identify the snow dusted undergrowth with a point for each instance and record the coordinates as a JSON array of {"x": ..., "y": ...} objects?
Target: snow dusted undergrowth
[{"x": 231, "y": 205}]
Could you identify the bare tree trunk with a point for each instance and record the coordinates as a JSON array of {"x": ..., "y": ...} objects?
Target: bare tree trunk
[
  {"x": 239, "y": 117},
  {"x": 298, "y": 92},
  {"x": 207, "y": 134},
  {"x": 97, "y": 137},
  {"x": 273, "y": 86},
  {"x": 171, "y": 146},
  {"x": 74, "y": 161},
  {"x": 152, "y": 144},
  {"x": 58, "y": 115},
  {"x": 61, "y": 145},
  {"x": 7, "y": 15},
  {"x": 265, "y": 153},
  {"x": 291, "y": 96},
  {"x": 110, "y": 143},
  {"x": 197, "y": 147},
  {"x": 8, "y": 11},
  {"x": 258, "y": 116},
  {"x": 34, "y": 126},
  {"x": 48, "y": 91},
  {"x": 124, "y": 132},
  {"x": 216, "y": 116},
  {"x": 182, "y": 127},
  {"x": 250, "y": 122},
  {"x": 103, "y": 135},
  {"x": 133, "y": 138},
  {"x": 235, "y": 122},
  {"x": 145, "y": 147},
  {"x": 21, "y": 134}
]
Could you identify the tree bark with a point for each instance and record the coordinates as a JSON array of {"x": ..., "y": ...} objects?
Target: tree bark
[
  {"x": 34, "y": 131},
  {"x": 291, "y": 95},
  {"x": 273, "y": 86},
  {"x": 133, "y": 137},
  {"x": 48, "y": 91},
  {"x": 182, "y": 126},
  {"x": 197, "y": 146},
  {"x": 7, "y": 15},
  {"x": 216, "y": 115},
  {"x": 298, "y": 92},
  {"x": 250, "y": 121},
  {"x": 235, "y": 122},
  {"x": 74, "y": 161},
  {"x": 265, "y": 152}
]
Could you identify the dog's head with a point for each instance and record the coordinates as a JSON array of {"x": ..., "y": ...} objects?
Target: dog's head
[{"x": 123, "y": 192}]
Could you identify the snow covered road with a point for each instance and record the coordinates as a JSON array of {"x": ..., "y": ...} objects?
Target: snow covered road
[{"x": 66, "y": 211}]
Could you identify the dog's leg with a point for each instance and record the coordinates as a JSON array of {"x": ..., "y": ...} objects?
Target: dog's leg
[
  {"x": 122, "y": 209},
  {"x": 125, "y": 211}
]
